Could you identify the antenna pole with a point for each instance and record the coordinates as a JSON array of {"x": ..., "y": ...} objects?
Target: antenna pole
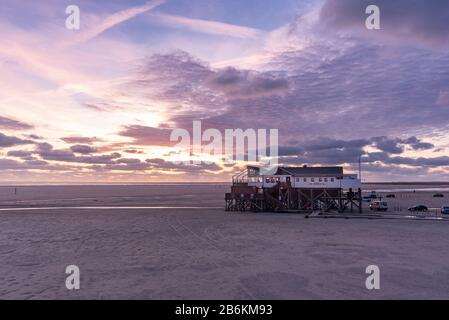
[{"x": 360, "y": 168}]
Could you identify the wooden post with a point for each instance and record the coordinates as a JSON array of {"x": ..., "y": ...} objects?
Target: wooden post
[{"x": 359, "y": 193}]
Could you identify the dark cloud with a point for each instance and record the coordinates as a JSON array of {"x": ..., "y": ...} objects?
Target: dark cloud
[
  {"x": 325, "y": 150},
  {"x": 43, "y": 146},
  {"x": 34, "y": 137},
  {"x": 19, "y": 154},
  {"x": 9, "y": 141},
  {"x": 243, "y": 83},
  {"x": 11, "y": 124},
  {"x": 84, "y": 140},
  {"x": 47, "y": 152},
  {"x": 156, "y": 164},
  {"x": 36, "y": 162},
  {"x": 161, "y": 164},
  {"x": 123, "y": 165},
  {"x": 417, "y": 144},
  {"x": 148, "y": 136},
  {"x": 83, "y": 149},
  {"x": 375, "y": 157},
  {"x": 388, "y": 145},
  {"x": 394, "y": 172},
  {"x": 134, "y": 151},
  {"x": 420, "y": 162},
  {"x": 402, "y": 20},
  {"x": 324, "y": 143},
  {"x": 13, "y": 165},
  {"x": 396, "y": 146}
]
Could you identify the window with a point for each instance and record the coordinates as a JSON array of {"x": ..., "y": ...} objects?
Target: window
[
  {"x": 332, "y": 179},
  {"x": 312, "y": 179},
  {"x": 272, "y": 179},
  {"x": 267, "y": 180},
  {"x": 325, "y": 179},
  {"x": 278, "y": 179},
  {"x": 305, "y": 179},
  {"x": 297, "y": 179},
  {"x": 321, "y": 180}
]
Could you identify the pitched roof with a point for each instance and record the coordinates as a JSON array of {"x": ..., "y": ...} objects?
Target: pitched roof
[{"x": 310, "y": 171}]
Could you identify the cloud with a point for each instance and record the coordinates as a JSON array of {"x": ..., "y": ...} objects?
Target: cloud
[
  {"x": 325, "y": 150},
  {"x": 83, "y": 149},
  {"x": 148, "y": 136},
  {"x": 11, "y": 124},
  {"x": 420, "y": 161},
  {"x": 417, "y": 144},
  {"x": 161, "y": 164},
  {"x": 34, "y": 137},
  {"x": 206, "y": 26},
  {"x": 134, "y": 151},
  {"x": 85, "y": 140},
  {"x": 321, "y": 90},
  {"x": 324, "y": 143},
  {"x": 183, "y": 80},
  {"x": 243, "y": 83},
  {"x": 388, "y": 145},
  {"x": 47, "y": 152},
  {"x": 17, "y": 166},
  {"x": 401, "y": 20},
  {"x": 19, "y": 153},
  {"x": 9, "y": 141}
]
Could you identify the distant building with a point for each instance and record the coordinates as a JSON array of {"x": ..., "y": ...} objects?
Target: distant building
[
  {"x": 302, "y": 177},
  {"x": 295, "y": 188}
]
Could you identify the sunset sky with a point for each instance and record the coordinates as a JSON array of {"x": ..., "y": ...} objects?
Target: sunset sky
[{"x": 98, "y": 104}]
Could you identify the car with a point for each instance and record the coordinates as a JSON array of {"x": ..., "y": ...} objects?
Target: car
[
  {"x": 438, "y": 195},
  {"x": 368, "y": 198},
  {"x": 445, "y": 210},
  {"x": 390, "y": 196},
  {"x": 378, "y": 206},
  {"x": 418, "y": 208}
]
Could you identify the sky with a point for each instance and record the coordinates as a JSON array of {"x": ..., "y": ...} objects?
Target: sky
[{"x": 98, "y": 104}]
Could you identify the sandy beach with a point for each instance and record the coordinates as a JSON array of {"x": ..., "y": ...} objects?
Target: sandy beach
[{"x": 199, "y": 251}]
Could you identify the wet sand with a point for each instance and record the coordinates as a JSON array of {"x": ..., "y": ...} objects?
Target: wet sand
[{"x": 206, "y": 253}]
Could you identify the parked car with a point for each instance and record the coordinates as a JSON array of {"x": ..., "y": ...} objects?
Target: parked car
[
  {"x": 438, "y": 195},
  {"x": 418, "y": 208},
  {"x": 378, "y": 206},
  {"x": 445, "y": 210},
  {"x": 390, "y": 196},
  {"x": 369, "y": 198}
]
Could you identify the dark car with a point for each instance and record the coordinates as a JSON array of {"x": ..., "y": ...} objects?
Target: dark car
[
  {"x": 418, "y": 208},
  {"x": 390, "y": 196},
  {"x": 438, "y": 195}
]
